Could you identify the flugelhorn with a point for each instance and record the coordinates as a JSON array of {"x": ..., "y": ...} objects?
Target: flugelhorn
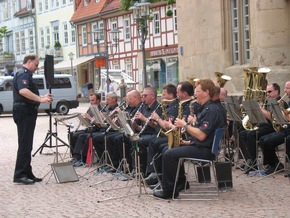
[{"x": 222, "y": 79}]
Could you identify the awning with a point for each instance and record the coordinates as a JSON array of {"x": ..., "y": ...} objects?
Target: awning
[{"x": 66, "y": 65}]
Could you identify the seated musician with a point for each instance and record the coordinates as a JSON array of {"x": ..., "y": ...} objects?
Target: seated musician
[
  {"x": 184, "y": 91},
  {"x": 95, "y": 99},
  {"x": 133, "y": 99},
  {"x": 81, "y": 146},
  {"x": 248, "y": 137},
  {"x": 141, "y": 122},
  {"x": 268, "y": 143},
  {"x": 208, "y": 119}
]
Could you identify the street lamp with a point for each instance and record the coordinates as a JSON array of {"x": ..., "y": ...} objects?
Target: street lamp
[
  {"x": 105, "y": 53},
  {"x": 71, "y": 57},
  {"x": 141, "y": 12}
]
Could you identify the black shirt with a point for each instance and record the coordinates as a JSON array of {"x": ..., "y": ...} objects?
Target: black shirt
[{"x": 23, "y": 79}]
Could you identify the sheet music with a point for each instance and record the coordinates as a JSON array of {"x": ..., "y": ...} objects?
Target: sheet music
[
  {"x": 98, "y": 119},
  {"x": 111, "y": 122},
  {"x": 84, "y": 122},
  {"x": 253, "y": 109},
  {"x": 123, "y": 118}
]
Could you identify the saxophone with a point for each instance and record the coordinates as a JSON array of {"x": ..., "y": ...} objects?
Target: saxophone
[
  {"x": 164, "y": 102},
  {"x": 175, "y": 135}
]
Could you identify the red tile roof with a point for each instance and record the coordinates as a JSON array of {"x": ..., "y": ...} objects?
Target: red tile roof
[
  {"x": 91, "y": 10},
  {"x": 112, "y": 5}
]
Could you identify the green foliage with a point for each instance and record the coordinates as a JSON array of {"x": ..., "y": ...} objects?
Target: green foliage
[
  {"x": 57, "y": 45},
  {"x": 3, "y": 30},
  {"x": 126, "y": 4}
]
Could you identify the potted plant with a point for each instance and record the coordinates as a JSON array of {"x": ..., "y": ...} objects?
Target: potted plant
[{"x": 57, "y": 45}]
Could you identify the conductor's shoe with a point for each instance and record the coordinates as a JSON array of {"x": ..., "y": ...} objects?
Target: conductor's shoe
[
  {"x": 151, "y": 179},
  {"x": 35, "y": 179},
  {"x": 24, "y": 180},
  {"x": 165, "y": 195}
]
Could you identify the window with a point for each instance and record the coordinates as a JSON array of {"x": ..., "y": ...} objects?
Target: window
[
  {"x": 86, "y": 2},
  {"x": 84, "y": 35},
  {"x": 17, "y": 43},
  {"x": 129, "y": 69},
  {"x": 127, "y": 33},
  {"x": 73, "y": 34},
  {"x": 98, "y": 25},
  {"x": 22, "y": 39},
  {"x": 63, "y": 2},
  {"x": 41, "y": 38},
  {"x": 47, "y": 37},
  {"x": 31, "y": 40},
  {"x": 156, "y": 24},
  {"x": 65, "y": 33},
  {"x": 57, "y": 3},
  {"x": 61, "y": 83},
  {"x": 55, "y": 31},
  {"x": 46, "y": 5},
  {"x": 114, "y": 27},
  {"x": 40, "y": 6},
  {"x": 175, "y": 19},
  {"x": 240, "y": 31}
]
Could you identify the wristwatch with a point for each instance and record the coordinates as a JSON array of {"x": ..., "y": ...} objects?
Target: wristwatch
[{"x": 183, "y": 129}]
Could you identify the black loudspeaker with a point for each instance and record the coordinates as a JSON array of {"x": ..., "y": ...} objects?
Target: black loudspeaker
[
  {"x": 64, "y": 172},
  {"x": 203, "y": 174},
  {"x": 224, "y": 174},
  {"x": 49, "y": 69}
]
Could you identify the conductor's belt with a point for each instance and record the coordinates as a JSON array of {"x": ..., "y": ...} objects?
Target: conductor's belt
[{"x": 26, "y": 105}]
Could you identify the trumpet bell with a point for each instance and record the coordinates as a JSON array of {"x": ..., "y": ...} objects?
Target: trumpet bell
[{"x": 226, "y": 77}]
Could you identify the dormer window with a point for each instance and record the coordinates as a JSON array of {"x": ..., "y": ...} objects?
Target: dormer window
[{"x": 86, "y": 2}]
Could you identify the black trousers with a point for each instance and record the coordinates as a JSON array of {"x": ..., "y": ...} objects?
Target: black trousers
[
  {"x": 156, "y": 146},
  {"x": 248, "y": 140},
  {"x": 170, "y": 161},
  {"x": 25, "y": 119},
  {"x": 268, "y": 144}
]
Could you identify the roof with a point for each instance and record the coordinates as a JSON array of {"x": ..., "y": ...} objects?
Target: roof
[{"x": 91, "y": 10}]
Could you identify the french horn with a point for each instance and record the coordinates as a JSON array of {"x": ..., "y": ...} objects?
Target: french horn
[{"x": 222, "y": 79}]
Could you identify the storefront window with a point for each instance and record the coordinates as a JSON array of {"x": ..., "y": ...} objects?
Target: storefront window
[{"x": 162, "y": 71}]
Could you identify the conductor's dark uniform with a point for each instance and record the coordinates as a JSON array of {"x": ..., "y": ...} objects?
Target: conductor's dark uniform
[{"x": 24, "y": 115}]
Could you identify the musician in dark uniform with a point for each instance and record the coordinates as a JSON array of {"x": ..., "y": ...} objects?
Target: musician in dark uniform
[
  {"x": 133, "y": 99},
  {"x": 184, "y": 91},
  {"x": 82, "y": 143},
  {"x": 26, "y": 100},
  {"x": 95, "y": 99},
  {"x": 208, "y": 119},
  {"x": 269, "y": 142}
]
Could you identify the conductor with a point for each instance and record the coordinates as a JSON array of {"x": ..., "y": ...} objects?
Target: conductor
[{"x": 26, "y": 101}]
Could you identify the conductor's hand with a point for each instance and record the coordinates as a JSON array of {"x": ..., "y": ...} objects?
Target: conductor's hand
[{"x": 46, "y": 98}]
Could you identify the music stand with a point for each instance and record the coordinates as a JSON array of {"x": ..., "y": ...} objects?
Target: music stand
[
  {"x": 256, "y": 117},
  {"x": 233, "y": 109},
  {"x": 280, "y": 120},
  {"x": 106, "y": 156}
]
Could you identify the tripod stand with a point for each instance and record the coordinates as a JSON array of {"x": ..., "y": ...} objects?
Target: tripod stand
[
  {"x": 50, "y": 134},
  {"x": 137, "y": 182},
  {"x": 256, "y": 117}
]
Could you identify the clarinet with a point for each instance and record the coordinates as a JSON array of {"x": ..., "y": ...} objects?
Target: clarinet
[{"x": 146, "y": 124}]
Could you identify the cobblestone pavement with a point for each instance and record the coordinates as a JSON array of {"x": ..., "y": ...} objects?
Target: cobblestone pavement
[{"x": 269, "y": 197}]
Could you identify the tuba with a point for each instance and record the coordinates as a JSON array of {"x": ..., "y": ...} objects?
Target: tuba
[
  {"x": 176, "y": 134},
  {"x": 222, "y": 79},
  {"x": 255, "y": 84}
]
